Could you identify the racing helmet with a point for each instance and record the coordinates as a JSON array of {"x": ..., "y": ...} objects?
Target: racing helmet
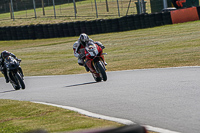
[
  {"x": 84, "y": 39},
  {"x": 5, "y": 54}
]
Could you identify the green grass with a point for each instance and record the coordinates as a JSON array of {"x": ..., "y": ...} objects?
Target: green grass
[
  {"x": 21, "y": 116},
  {"x": 165, "y": 46}
]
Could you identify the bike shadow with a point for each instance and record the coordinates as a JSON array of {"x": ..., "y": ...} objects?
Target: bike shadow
[
  {"x": 8, "y": 91},
  {"x": 81, "y": 84}
]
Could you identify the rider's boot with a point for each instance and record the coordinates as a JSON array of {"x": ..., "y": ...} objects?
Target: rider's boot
[
  {"x": 6, "y": 77},
  {"x": 105, "y": 63}
]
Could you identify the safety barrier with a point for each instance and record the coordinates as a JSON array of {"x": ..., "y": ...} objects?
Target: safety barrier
[
  {"x": 68, "y": 29},
  {"x": 184, "y": 15}
]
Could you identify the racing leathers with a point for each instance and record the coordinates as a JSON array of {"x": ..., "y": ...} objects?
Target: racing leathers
[
  {"x": 2, "y": 67},
  {"x": 79, "y": 50}
]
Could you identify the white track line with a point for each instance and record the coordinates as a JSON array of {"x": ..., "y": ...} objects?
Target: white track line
[{"x": 118, "y": 120}]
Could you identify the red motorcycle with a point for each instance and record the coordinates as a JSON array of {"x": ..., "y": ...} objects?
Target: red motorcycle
[{"x": 94, "y": 60}]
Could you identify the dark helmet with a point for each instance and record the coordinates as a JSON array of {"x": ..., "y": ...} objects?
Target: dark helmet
[
  {"x": 5, "y": 54},
  {"x": 84, "y": 39}
]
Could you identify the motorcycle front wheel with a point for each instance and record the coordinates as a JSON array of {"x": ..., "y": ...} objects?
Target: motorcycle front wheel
[
  {"x": 13, "y": 81},
  {"x": 20, "y": 81},
  {"x": 101, "y": 70},
  {"x": 97, "y": 79}
]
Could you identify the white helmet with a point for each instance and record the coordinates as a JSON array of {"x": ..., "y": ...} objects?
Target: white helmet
[{"x": 84, "y": 39}]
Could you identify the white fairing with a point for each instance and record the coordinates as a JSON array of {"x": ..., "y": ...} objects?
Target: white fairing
[{"x": 92, "y": 49}]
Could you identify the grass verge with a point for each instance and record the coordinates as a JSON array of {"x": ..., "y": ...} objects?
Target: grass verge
[{"x": 22, "y": 116}]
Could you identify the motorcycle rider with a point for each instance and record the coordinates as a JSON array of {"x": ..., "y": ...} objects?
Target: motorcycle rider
[
  {"x": 79, "y": 48},
  {"x": 2, "y": 67}
]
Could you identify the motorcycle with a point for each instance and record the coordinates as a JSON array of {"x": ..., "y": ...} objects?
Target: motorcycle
[
  {"x": 14, "y": 72},
  {"x": 94, "y": 60}
]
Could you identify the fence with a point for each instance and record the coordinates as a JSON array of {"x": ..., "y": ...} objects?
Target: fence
[{"x": 79, "y": 9}]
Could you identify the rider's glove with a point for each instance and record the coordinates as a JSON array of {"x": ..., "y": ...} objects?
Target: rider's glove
[
  {"x": 18, "y": 59},
  {"x": 102, "y": 47},
  {"x": 81, "y": 56}
]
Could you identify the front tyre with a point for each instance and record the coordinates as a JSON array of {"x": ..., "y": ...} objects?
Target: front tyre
[
  {"x": 14, "y": 81},
  {"x": 20, "y": 81},
  {"x": 16, "y": 87},
  {"x": 97, "y": 79},
  {"x": 102, "y": 70}
]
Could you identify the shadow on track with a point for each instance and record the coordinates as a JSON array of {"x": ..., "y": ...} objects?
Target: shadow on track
[
  {"x": 81, "y": 84},
  {"x": 8, "y": 91}
]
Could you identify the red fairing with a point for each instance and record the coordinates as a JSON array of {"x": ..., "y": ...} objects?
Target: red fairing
[
  {"x": 89, "y": 64},
  {"x": 99, "y": 49}
]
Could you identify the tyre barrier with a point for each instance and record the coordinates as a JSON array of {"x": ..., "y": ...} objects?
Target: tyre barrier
[
  {"x": 115, "y": 25},
  {"x": 39, "y": 34},
  {"x": 51, "y": 30},
  {"x": 94, "y": 27},
  {"x": 19, "y": 33},
  {"x": 103, "y": 26},
  {"x": 152, "y": 20},
  {"x": 147, "y": 20},
  {"x": 24, "y": 30},
  {"x": 158, "y": 18},
  {"x": 13, "y": 33},
  {"x": 31, "y": 32},
  {"x": 166, "y": 18},
  {"x": 65, "y": 29},
  {"x": 142, "y": 21},
  {"x": 137, "y": 21},
  {"x": 1, "y": 33},
  {"x": 88, "y": 27},
  {"x": 123, "y": 24},
  {"x": 8, "y": 33},
  {"x": 82, "y": 27},
  {"x": 55, "y": 30},
  {"x": 108, "y": 23},
  {"x": 45, "y": 31},
  {"x": 130, "y": 22},
  {"x": 77, "y": 28},
  {"x": 98, "y": 22},
  {"x": 60, "y": 30},
  {"x": 71, "y": 29}
]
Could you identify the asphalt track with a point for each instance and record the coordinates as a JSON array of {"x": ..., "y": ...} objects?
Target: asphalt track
[{"x": 167, "y": 98}]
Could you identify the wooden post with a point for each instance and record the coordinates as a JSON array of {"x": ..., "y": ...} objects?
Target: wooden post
[
  {"x": 107, "y": 6},
  {"x": 43, "y": 7},
  {"x": 10, "y": 11},
  {"x": 54, "y": 9}
]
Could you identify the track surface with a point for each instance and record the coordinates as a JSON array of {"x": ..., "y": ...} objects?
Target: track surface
[{"x": 167, "y": 98}]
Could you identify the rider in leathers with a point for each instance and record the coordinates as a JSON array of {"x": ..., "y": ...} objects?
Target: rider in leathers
[
  {"x": 2, "y": 67},
  {"x": 79, "y": 50}
]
